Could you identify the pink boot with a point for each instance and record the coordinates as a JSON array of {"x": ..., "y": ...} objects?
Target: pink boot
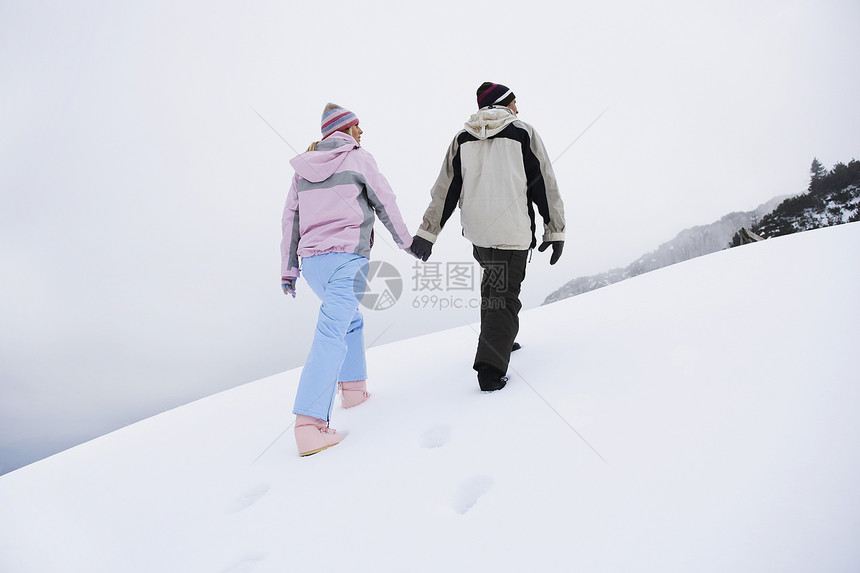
[
  {"x": 353, "y": 393},
  {"x": 313, "y": 435}
]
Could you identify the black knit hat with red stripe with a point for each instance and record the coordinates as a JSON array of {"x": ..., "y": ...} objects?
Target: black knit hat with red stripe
[{"x": 494, "y": 94}]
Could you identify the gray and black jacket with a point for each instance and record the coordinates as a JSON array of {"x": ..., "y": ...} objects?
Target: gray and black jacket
[{"x": 497, "y": 171}]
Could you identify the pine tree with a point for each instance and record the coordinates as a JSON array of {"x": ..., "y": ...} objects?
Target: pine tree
[{"x": 817, "y": 172}]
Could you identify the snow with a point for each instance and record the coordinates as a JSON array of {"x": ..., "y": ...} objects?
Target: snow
[{"x": 702, "y": 417}]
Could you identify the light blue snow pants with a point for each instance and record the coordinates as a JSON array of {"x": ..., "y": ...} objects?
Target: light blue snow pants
[{"x": 337, "y": 351}]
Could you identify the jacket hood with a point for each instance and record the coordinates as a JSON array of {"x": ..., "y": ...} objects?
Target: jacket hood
[
  {"x": 489, "y": 121},
  {"x": 322, "y": 163}
]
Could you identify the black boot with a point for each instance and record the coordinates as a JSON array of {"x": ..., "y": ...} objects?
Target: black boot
[{"x": 490, "y": 379}]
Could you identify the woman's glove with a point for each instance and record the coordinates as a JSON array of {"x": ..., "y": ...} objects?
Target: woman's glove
[{"x": 289, "y": 286}]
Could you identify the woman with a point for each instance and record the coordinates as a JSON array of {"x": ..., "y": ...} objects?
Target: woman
[{"x": 328, "y": 222}]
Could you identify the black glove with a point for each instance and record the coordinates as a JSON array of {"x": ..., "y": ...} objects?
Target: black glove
[
  {"x": 557, "y": 248},
  {"x": 421, "y": 248}
]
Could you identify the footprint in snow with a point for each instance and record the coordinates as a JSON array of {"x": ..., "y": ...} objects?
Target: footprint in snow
[
  {"x": 436, "y": 437},
  {"x": 470, "y": 491},
  {"x": 246, "y": 563},
  {"x": 250, "y": 497}
]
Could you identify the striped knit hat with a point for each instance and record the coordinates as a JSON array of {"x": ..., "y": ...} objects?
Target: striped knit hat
[
  {"x": 494, "y": 94},
  {"x": 336, "y": 118}
]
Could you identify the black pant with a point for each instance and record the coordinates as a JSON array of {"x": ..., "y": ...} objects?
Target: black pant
[{"x": 503, "y": 274}]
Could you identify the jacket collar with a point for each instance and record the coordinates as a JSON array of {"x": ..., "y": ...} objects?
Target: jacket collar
[
  {"x": 489, "y": 121},
  {"x": 335, "y": 140}
]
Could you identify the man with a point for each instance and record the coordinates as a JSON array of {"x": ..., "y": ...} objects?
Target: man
[{"x": 497, "y": 171}]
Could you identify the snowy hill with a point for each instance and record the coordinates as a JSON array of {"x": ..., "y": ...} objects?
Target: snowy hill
[
  {"x": 688, "y": 244},
  {"x": 702, "y": 417},
  {"x": 833, "y": 198}
]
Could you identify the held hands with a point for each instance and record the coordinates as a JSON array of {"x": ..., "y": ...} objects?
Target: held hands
[
  {"x": 289, "y": 286},
  {"x": 421, "y": 248},
  {"x": 557, "y": 248}
]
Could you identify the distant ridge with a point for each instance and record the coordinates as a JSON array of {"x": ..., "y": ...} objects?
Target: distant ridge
[
  {"x": 833, "y": 198},
  {"x": 688, "y": 244}
]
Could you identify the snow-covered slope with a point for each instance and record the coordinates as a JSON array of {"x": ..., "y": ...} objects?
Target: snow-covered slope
[{"x": 702, "y": 417}]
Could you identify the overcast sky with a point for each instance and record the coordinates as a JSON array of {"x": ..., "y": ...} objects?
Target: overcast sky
[{"x": 142, "y": 192}]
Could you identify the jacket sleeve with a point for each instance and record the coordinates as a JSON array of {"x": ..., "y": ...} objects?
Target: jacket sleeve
[
  {"x": 547, "y": 197},
  {"x": 445, "y": 194},
  {"x": 384, "y": 202},
  {"x": 290, "y": 237}
]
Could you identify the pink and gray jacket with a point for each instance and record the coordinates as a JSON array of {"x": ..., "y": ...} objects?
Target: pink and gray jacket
[{"x": 334, "y": 199}]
